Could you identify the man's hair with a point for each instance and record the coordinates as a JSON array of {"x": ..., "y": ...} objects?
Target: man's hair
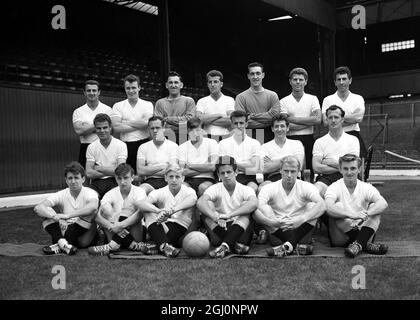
[
  {"x": 173, "y": 167},
  {"x": 280, "y": 117},
  {"x": 349, "y": 157},
  {"x": 155, "y": 118},
  {"x": 298, "y": 71},
  {"x": 255, "y": 64},
  {"x": 193, "y": 123},
  {"x": 335, "y": 107},
  {"x": 290, "y": 160},
  {"x": 238, "y": 114},
  {"x": 92, "y": 83},
  {"x": 122, "y": 169},
  {"x": 75, "y": 168},
  {"x": 342, "y": 70},
  {"x": 226, "y": 161},
  {"x": 174, "y": 74},
  {"x": 214, "y": 73},
  {"x": 101, "y": 117},
  {"x": 131, "y": 78}
]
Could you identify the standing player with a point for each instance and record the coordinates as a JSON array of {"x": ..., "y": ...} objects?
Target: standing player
[
  {"x": 168, "y": 211},
  {"x": 245, "y": 150},
  {"x": 352, "y": 104},
  {"x": 117, "y": 216},
  {"x": 84, "y": 115},
  {"x": 153, "y": 157},
  {"x": 272, "y": 152},
  {"x": 355, "y": 207},
  {"x": 303, "y": 112},
  {"x": 289, "y": 208},
  {"x": 130, "y": 118},
  {"x": 261, "y": 104},
  {"x": 103, "y": 156},
  {"x": 330, "y": 147},
  {"x": 227, "y": 207},
  {"x": 71, "y": 225},
  {"x": 215, "y": 109},
  {"x": 175, "y": 109}
]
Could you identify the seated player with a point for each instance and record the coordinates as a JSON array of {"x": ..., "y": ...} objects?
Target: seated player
[
  {"x": 71, "y": 225},
  {"x": 330, "y": 147},
  {"x": 245, "y": 151},
  {"x": 198, "y": 156},
  {"x": 227, "y": 207},
  {"x": 117, "y": 216},
  {"x": 289, "y": 208},
  {"x": 355, "y": 209},
  {"x": 103, "y": 156},
  {"x": 273, "y": 151},
  {"x": 168, "y": 211},
  {"x": 153, "y": 157}
]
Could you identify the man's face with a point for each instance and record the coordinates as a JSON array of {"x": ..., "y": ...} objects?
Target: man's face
[
  {"x": 255, "y": 76},
  {"x": 174, "y": 85},
  {"x": 156, "y": 130},
  {"x": 174, "y": 180},
  {"x": 195, "y": 134},
  {"x": 214, "y": 84},
  {"x": 227, "y": 175},
  {"x": 132, "y": 89},
  {"x": 92, "y": 93},
  {"x": 349, "y": 170},
  {"x": 74, "y": 181},
  {"x": 239, "y": 124},
  {"x": 289, "y": 173},
  {"x": 280, "y": 128},
  {"x": 103, "y": 130},
  {"x": 125, "y": 181},
  {"x": 334, "y": 119},
  {"x": 342, "y": 82},
  {"x": 298, "y": 82}
]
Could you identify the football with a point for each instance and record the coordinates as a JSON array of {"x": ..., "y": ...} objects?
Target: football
[{"x": 196, "y": 244}]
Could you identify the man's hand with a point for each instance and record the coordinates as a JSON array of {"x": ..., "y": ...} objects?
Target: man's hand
[
  {"x": 291, "y": 223},
  {"x": 359, "y": 215},
  {"x": 222, "y": 223},
  {"x": 116, "y": 227}
]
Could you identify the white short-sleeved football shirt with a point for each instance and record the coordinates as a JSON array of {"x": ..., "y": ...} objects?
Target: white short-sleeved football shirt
[
  {"x": 329, "y": 148},
  {"x": 164, "y": 199},
  {"x": 189, "y": 153},
  {"x": 114, "y": 198},
  {"x": 208, "y": 105}
]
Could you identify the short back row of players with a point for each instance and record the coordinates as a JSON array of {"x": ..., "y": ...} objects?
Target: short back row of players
[{"x": 151, "y": 188}]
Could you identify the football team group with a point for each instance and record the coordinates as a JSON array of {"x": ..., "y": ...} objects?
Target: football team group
[{"x": 240, "y": 170}]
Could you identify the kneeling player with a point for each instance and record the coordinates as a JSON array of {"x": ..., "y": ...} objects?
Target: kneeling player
[
  {"x": 289, "y": 209},
  {"x": 117, "y": 216},
  {"x": 72, "y": 225},
  {"x": 168, "y": 211},
  {"x": 355, "y": 207},
  {"x": 227, "y": 207}
]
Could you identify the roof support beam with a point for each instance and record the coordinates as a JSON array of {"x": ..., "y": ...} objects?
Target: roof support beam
[{"x": 319, "y": 12}]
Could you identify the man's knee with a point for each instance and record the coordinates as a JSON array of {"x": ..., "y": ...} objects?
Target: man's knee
[
  {"x": 203, "y": 187},
  {"x": 147, "y": 188}
]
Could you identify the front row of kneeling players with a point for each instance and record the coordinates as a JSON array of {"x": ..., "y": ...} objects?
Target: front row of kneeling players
[{"x": 288, "y": 209}]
